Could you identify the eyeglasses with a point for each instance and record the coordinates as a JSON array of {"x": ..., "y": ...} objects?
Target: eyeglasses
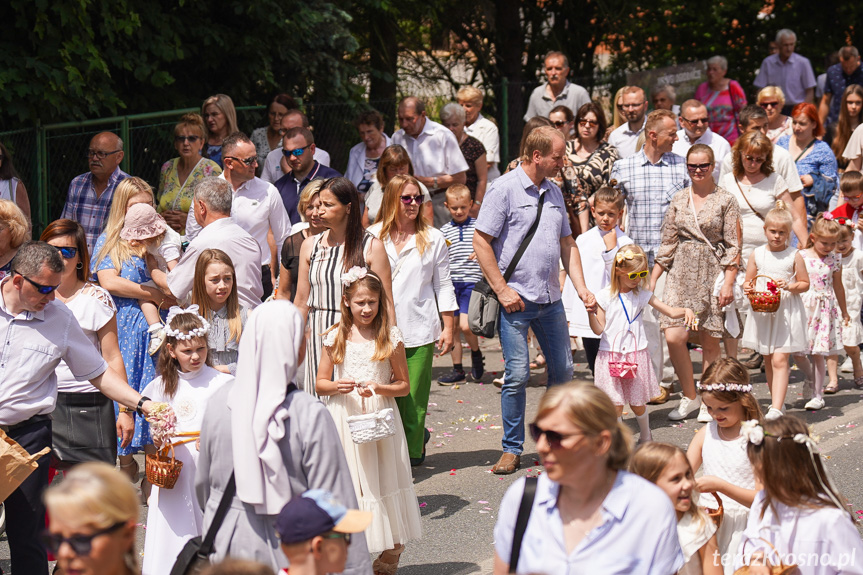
[
  {"x": 560, "y": 124},
  {"x": 295, "y": 152},
  {"x": 42, "y": 289},
  {"x": 247, "y": 161},
  {"x": 638, "y": 275},
  {"x": 698, "y": 167},
  {"x": 585, "y": 123},
  {"x": 67, "y": 252},
  {"x": 80, "y": 544},
  {"x": 100, "y": 154},
  {"x": 768, "y": 104},
  {"x": 191, "y": 139},
  {"x": 749, "y": 158},
  {"x": 696, "y": 121},
  {"x": 406, "y": 200},
  {"x": 345, "y": 536},
  {"x": 552, "y": 437}
]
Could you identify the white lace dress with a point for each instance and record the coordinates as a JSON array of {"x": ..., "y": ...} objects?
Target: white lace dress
[
  {"x": 852, "y": 281},
  {"x": 727, "y": 460},
  {"x": 380, "y": 470}
]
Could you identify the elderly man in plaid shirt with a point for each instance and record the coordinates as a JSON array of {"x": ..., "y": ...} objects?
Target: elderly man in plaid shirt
[
  {"x": 650, "y": 179},
  {"x": 89, "y": 199}
]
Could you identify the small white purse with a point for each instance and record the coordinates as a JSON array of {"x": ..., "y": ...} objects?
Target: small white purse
[{"x": 373, "y": 426}]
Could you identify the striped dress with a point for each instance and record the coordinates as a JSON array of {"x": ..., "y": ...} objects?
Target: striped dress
[{"x": 326, "y": 265}]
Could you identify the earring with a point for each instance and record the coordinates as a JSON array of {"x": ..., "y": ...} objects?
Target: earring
[{"x": 79, "y": 266}]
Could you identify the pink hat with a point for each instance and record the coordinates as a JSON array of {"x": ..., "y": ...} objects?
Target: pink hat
[{"x": 142, "y": 223}]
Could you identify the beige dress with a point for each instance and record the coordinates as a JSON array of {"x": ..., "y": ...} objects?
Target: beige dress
[{"x": 691, "y": 264}]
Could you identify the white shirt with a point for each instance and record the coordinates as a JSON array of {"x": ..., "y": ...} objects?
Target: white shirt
[
  {"x": 257, "y": 208},
  {"x": 273, "y": 164},
  {"x": 435, "y": 152},
  {"x": 417, "y": 281},
  {"x": 625, "y": 139},
  {"x": 33, "y": 343},
  {"x": 357, "y": 160},
  {"x": 93, "y": 307},
  {"x": 486, "y": 132},
  {"x": 245, "y": 253},
  {"x": 717, "y": 143},
  {"x": 783, "y": 165},
  {"x": 171, "y": 248},
  {"x": 624, "y": 312}
]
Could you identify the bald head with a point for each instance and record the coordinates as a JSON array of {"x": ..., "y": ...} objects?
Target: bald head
[{"x": 104, "y": 155}]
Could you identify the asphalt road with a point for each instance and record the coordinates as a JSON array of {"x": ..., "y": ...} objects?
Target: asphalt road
[{"x": 459, "y": 496}]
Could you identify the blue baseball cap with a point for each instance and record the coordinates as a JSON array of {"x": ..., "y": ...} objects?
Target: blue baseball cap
[{"x": 316, "y": 512}]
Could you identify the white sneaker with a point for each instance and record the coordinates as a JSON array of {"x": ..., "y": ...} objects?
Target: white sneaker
[
  {"x": 703, "y": 416},
  {"x": 157, "y": 338},
  {"x": 814, "y": 404},
  {"x": 847, "y": 366},
  {"x": 773, "y": 414},
  {"x": 686, "y": 407},
  {"x": 807, "y": 389}
]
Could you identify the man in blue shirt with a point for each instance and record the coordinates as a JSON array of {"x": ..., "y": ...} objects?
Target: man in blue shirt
[{"x": 298, "y": 146}]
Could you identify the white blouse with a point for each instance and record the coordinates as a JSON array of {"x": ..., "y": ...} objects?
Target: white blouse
[
  {"x": 419, "y": 279},
  {"x": 93, "y": 307}
]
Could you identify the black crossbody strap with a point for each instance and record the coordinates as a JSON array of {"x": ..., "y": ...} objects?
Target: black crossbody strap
[
  {"x": 521, "y": 520},
  {"x": 530, "y": 233},
  {"x": 218, "y": 517}
]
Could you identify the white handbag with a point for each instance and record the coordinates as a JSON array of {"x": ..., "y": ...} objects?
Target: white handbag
[{"x": 372, "y": 426}]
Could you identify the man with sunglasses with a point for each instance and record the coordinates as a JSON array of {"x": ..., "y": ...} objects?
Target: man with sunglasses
[
  {"x": 696, "y": 130},
  {"x": 38, "y": 332},
  {"x": 789, "y": 71},
  {"x": 276, "y": 165},
  {"x": 88, "y": 200},
  {"x": 298, "y": 149}
]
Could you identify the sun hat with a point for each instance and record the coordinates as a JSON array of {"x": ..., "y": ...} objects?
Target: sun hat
[
  {"x": 316, "y": 512},
  {"x": 142, "y": 223}
]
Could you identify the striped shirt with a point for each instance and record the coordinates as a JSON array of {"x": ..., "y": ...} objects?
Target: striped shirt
[
  {"x": 88, "y": 209},
  {"x": 459, "y": 238}
]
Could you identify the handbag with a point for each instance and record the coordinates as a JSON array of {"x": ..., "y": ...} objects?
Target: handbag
[
  {"x": 754, "y": 211},
  {"x": 521, "y": 521},
  {"x": 195, "y": 556},
  {"x": 16, "y": 464},
  {"x": 623, "y": 368},
  {"x": 780, "y": 569},
  {"x": 373, "y": 426},
  {"x": 484, "y": 309}
]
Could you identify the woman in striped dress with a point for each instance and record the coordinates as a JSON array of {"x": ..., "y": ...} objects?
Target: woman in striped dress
[{"x": 323, "y": 259}]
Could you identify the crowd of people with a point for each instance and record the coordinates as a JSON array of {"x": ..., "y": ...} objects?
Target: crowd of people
[{"x": 257, "y": 284}]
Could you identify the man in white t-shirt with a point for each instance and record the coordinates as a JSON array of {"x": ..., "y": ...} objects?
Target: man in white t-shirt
[{"x": 625, "y": 137}]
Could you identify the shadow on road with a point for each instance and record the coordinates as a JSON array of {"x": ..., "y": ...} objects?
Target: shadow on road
[{"x": 454, "y": 568}]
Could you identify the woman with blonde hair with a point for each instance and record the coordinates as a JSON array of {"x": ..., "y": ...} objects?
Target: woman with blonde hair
[
  {"x": 14, "y": 230},
  {"x": 220, "y": 118},
  {"x": 93, "y": 517},
  {"x": 772, "y": 99},
  {"x": 585, "y": 495},
  {"x": 308, "y": 205}
]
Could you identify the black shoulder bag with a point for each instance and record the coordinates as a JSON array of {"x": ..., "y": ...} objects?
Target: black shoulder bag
[
  {"x": 484, "y": 310},
  {"x": 195, "y": 555},
  {"x": 521, "y": 521}
]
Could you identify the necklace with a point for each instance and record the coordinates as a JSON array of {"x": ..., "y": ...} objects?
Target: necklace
[{"x": 722, "y": 436}]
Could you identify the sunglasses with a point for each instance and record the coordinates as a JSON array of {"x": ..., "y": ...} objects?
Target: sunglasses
[
  {"x": 638, "y": 275},
  {"x": 552, "y": 437},
  {"x": 345, "y": 536},
  {"x": 696, "y": 121},
  {"x": 247, "y": 161},
  {"x": 295, "y": 152},
  {"x": 406, "y": 200},
  {"x": 749, "y": 158},
  {"x": 585, "y": 123},
  {"x": 698, "y": 167},
  {"x": 67, "y": 252},
  {"x": 768, "y": 104},
  {"x": 190, "y": 139},
  {"x": 560, "y": 124},
  {"x": 42, "y": 289},
  {"x": 80, "y": 544}
]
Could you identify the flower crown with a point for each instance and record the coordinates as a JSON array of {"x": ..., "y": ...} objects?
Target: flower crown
[
  {"x": 353, "y": 274},
  {"x": 182, "y": 335},
  {"x": 741, "y": 387}
]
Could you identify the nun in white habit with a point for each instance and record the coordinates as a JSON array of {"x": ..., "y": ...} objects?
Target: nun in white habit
[{"x": 277, "y": 440}]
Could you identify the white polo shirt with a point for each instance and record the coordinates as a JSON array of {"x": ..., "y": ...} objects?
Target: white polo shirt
[
  {"x": 486, "y": 132},
  {"x": 257, "y": 208},
  {"x": 625, "y": 139},
  {"x": 435, "y": 152},
  {"x": 717, "y": 143},
  {"x": 273, "y": 164},
  {"x": 33, "y": 343}
]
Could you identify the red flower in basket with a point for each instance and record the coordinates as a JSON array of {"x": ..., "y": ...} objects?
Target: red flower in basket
[{"x": 772, "y": 287}]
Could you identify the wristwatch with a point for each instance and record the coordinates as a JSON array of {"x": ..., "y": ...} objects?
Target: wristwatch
[
  {"x": 434, "y": 182},
  {"x": 141, "y": 403},
  {"x": 124, "y": 409}
]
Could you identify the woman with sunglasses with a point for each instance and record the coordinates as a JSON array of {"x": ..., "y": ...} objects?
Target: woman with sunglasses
[
  {"x": 14, "y": 230},
  {"x": 700, "y": 251},
  {"x": 93, "y": 514},
  {"x": 772, "y": 99},
  {"x": 589, "y": 515},
  {"x": 84, "y": 424},
  {"x": 178, "y": 177},
  {"x": 590, "y": 156},
  {"x": 421, "y": 287}
]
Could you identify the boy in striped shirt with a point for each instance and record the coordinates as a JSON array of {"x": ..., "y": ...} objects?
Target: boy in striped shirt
[{"x": 465, "y": 272}]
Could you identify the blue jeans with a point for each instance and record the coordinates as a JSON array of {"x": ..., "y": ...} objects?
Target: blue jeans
[{"x": 548, "y": 322}]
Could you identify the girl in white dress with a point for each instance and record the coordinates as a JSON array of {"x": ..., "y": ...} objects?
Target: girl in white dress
[
  {"x": 776, "y": 335},
  {"x": 368, "y": 360},
  {"x": 666, "y": 466},
  {"x": 852, "y": 281},
  {"x": 186, "y": 384},
  {"x": 721, "y": 448},
  {"x": 799, "y": 513}
]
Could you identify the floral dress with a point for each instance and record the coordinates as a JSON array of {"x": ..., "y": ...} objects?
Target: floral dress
[
  {"x": 824, "y": 326},
  {"x": 174, "y": 195}
]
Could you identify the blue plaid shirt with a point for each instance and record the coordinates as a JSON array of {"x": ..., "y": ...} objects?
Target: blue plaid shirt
[
  {"x": 649, "y": 188},
  {"x": 83, "y": 206}
]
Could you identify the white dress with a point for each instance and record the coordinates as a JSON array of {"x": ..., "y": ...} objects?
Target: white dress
[
  {"x": 852, "y": 281},
  {"x": 380, "y": 470},
  {"x": 727, "y": 460},
  {"x": 780, "y": 331},
  {"x": 693, "y": 533},
  {"x": 762, "y": 198},
  {"x": 174, "y": 515}
]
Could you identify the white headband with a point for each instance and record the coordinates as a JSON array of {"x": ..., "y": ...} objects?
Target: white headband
[
  {"x": 743, "y": 388},
  {"x": 177, "y": 334},
  {"x": 353, "y": 274}
]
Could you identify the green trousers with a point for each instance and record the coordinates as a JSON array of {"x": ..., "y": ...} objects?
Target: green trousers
[{"x": 413, "y": 406}]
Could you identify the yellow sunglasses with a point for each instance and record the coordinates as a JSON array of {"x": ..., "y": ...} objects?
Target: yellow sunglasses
[{"x": 638, "y": 275}]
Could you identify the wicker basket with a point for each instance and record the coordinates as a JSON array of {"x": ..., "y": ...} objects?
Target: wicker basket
[
  {"x": 163, "y": 470},
  {"x": 716, "y": 514},
  {"x": 764, "y": 301}
]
